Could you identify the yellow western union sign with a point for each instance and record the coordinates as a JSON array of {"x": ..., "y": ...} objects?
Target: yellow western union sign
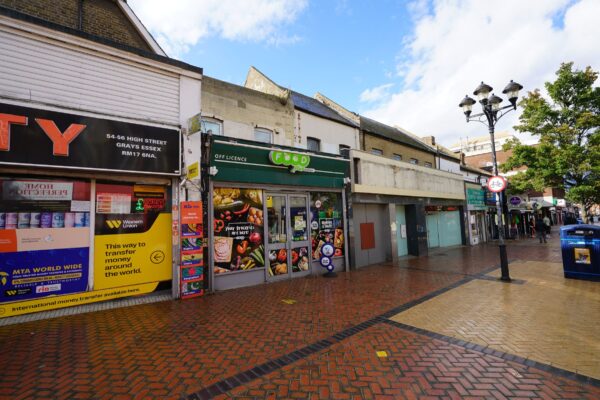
[
  {"x": 132, "y": 258},
  {"x": 115, "y": 224}
]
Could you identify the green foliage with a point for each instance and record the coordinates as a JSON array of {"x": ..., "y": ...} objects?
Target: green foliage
[{"x": 568, "y": 153}]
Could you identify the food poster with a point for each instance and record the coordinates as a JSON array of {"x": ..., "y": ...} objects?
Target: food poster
[
  {"x": 44, "y": 240},
  {"x": 326, "y": 223},
  {"x": 132, "y": 247},
  {"x": 192, "y": 263},
  {"x": 238, "y": 230}
]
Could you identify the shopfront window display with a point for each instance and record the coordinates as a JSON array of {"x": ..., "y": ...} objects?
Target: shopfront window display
[
  {"x": 327, "y": 224},
  {"x": 238, "y": 230},
  {"x": 44, "y": 237}
]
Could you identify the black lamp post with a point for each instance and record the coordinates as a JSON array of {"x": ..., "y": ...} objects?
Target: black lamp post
[{"x": 492, "y": 112}]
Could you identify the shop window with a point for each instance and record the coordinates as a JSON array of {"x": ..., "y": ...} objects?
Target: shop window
[
  {"x": 44, "y": 237},
  {"x": 212, "y": 126},
  {"x": 238, "y": 230},
  {"x": 327, "y": 223},
  {"x": 263, "y": 135},
  {"x": 377, "y": 152},
  {"x": 428, "y": 164},
  {"x": 397, "y": 157},
  {"x": 414, "y": 161},
  {"x": 313, "y": 144}
]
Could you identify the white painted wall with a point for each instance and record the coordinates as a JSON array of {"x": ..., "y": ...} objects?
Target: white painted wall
[{"x": 331, "y": 133}]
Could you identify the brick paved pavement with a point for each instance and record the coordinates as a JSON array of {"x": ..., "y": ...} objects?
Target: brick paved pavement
[{"x": 247, "y": 337}]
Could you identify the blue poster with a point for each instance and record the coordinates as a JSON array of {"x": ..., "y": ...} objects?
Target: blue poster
[{"x": 28, "y": 275}]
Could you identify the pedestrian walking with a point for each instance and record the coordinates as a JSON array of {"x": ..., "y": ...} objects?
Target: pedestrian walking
[
  {"x": 540, "y": 229},
  {"x": 547, "y": 224}
]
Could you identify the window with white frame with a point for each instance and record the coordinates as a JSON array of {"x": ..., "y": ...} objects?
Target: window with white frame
[
  {"x": 414, "y": 161},
  {"x": 313, "y": 144},
  {"x": 428, "y": 164},
  {"x": 397, "y": 157},
  {"x": 211, "y": 126},
  {"x": 377, "y": 152},
  {"x": 263, "y": 135}
]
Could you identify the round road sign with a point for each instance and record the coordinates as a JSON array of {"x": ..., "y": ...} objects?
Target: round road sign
[{"x": 496, "y": 184}]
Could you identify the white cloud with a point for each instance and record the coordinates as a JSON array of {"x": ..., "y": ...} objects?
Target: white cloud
[
  {"x": 457, "y": 44},
  {"x": 180, "y": 24},
  {"x": 376, "y": 94}
]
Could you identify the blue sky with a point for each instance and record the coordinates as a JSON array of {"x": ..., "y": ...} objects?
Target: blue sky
[
  {"x": 341, "y": 50},
  {"x": 402, "y": 62}
]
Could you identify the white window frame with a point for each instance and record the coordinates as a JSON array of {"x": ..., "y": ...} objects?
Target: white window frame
[
  {"x": 263, "y": 131},
  {"x": 212, "y": 121},
  {"x": 376, "y": 152}
]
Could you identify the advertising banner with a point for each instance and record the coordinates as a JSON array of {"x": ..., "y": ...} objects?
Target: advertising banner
[
  {"x": 70, "y": 300},
  {"x": 38, "y": 137},
  {"x": 238, "y": 230},
  {"x": 192, "y": 261},
  {"x": 132, "y": 249}
]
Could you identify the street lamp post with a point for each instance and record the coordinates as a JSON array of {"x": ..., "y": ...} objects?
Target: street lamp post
[{"x": 492, "y": 111}]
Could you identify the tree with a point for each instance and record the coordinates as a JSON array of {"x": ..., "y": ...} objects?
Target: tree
[{"x": 568, "y": 153}]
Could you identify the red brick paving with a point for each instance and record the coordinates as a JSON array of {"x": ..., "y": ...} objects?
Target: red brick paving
[
  {"x": 172, "y": 349},
  {"x": 417, "y": 367}
]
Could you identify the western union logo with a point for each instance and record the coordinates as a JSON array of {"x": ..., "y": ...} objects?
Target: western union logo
[{"x": 115, "y": 224}]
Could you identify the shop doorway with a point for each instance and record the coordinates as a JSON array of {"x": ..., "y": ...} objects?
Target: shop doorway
[
  {"x": 288, "y": 245},
  {"x": 443, "y": 229}
]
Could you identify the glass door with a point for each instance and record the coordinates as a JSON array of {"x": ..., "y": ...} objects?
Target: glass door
[
  {"x": 299, "y": 245},
  {"x": 288, "y": 242}
]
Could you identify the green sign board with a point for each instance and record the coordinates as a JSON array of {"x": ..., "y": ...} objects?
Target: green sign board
[
  {"x": 296, "y": 162},
  {"x": 248, "y": 162},
  {"x": 476, "y": 198}
]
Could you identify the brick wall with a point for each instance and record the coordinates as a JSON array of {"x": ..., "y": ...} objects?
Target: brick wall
[
  {"x": 390, "y": 148},
  {"x": 101, "y": 18}
]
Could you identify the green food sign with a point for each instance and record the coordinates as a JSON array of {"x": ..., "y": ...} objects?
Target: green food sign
[{"x": 296, "y": 162}]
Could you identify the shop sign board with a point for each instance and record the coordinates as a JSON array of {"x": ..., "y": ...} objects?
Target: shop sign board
[
  {"x": 295, "y": 161},
  {"x": 496, "y": 184},
  {"x": 515, "y": 200},
  {"x": 248, "y": 162},
  {"x": 476, "y": 198},
  {"x": 37, "y": 137}
]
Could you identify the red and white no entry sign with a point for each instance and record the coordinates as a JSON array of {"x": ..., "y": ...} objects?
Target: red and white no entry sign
[{"x": 496, "y": 184}]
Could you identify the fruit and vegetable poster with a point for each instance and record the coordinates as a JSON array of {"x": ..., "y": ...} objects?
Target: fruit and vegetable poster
[
  {"x": 238, "y": 230},
  {"x": 192, "y": 260}
]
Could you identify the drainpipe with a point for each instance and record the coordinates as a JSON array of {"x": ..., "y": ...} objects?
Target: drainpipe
[{"x": 80, "y": 15}]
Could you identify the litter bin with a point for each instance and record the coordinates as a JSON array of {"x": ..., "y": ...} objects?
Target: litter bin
[{"x": 580, "y": 245}]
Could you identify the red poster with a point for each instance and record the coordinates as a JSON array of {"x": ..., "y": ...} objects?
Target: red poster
[{"x": 192, "y": 271}]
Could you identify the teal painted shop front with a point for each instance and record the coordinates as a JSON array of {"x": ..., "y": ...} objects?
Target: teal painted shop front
[
  {"x": 401, "y": 237},
  {"x": 443, "y": 227}
]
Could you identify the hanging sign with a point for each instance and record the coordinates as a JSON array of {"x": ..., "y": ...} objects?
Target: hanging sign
[{"x": 496, "y": 184}]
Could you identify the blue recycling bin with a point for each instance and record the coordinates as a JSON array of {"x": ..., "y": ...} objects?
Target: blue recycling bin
[{"x": 580, "y": 245}]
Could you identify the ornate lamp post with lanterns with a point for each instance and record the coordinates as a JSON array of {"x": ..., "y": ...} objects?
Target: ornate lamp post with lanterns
[{"x": 491, "y": 113}]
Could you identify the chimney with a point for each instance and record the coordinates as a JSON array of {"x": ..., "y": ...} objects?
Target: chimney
[{"x": 429, "y": 140}]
